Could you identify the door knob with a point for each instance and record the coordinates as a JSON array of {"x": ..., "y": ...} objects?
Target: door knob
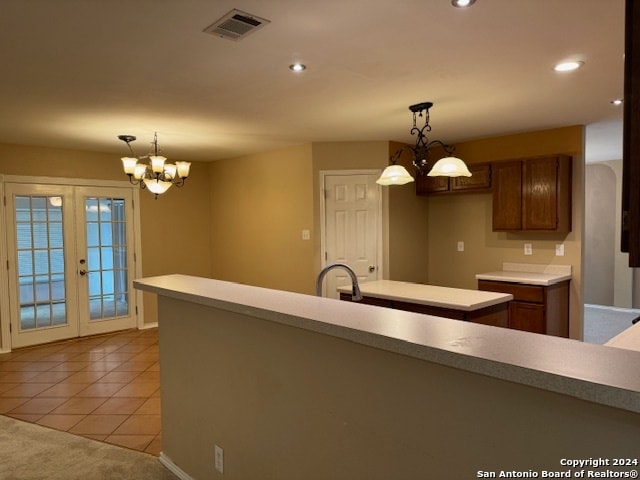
[
  {"x": 82, "y": 272},
  {"x": 372, "y": 268}
]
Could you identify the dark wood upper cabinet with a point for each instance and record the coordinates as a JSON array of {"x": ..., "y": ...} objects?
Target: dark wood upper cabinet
[
  {"x": 507, "y": 196},
  {"x": 546, "y": 195},
  {"x": 426, "y": 185},
  {"x": 630, "y": 238},
  {"x": 532, "y": 194},
  {"x": 479, "y": 181}
]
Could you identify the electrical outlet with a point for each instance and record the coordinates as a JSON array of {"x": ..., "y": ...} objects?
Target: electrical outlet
[
  {"x": 560, "y": 250},
  {"x": 461, "y": 246},
  {"x": 219, "y": 458},
  {"x": 306, "y": 234},
  {"x": 527, "y": 249}
]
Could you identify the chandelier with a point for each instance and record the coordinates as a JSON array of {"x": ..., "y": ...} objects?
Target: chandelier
[
  {"x": 157, "y": 176},
  {"x": 449, "y": 166}
]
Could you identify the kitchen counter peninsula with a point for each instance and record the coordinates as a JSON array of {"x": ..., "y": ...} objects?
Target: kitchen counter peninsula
[
  {"x": 489, "y": 308},
  {"x": 283, "y": 381}
]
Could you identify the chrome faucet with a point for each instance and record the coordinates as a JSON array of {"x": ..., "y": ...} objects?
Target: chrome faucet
[{"x": 355, "y": 288}]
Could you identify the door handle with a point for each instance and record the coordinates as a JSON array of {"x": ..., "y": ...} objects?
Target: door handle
[
  {"x": 82, "y": 272},
  {"x": 372, "y": 268}
]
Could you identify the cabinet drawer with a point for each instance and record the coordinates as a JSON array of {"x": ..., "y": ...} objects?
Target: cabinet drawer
[{"x": 525, "y": 293}]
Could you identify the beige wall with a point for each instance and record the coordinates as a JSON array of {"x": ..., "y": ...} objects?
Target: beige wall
[
  {"x": 241, "y": 219},
  {"x": 624, "y": 285},
  {"x": 404, "y": 214},
  {"x": 287, "y": 403},
  {"x": 259, "y": 206},
  {"x": 409, "y": 243},
  {"x": 467, "y": 217},
  {"x": 174, "y": 228},
  {"x": 599, "y": 235},
  {"x": 258, "y": 214}
]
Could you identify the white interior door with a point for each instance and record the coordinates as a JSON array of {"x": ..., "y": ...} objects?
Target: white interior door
[
  {"x": 70, "y": 261},
  {"x": 352, "y": 230}
]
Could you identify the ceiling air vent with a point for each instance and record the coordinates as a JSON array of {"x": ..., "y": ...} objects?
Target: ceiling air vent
[{"x": 236, "y": 25}]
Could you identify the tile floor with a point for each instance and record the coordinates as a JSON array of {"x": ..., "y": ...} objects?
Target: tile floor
[{"x": 104, "y": 387}]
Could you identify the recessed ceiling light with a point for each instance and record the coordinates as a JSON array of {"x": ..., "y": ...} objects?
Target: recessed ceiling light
[
  {"x": 617, "y": 101},
  {"x": 462, "y": 3},
  {"x": 297, "y": 67},
  {"x": 568, "y": 66}
]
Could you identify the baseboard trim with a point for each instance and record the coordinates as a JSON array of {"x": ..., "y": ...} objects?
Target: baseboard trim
[
  {"x": 176, "y": 470},
  {"x": 147, "y": 326}
]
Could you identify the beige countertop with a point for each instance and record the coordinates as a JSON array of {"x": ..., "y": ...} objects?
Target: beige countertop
[
  {"x": 596, "y": 373},
  {"x": 531, "y": 274},
  {"x": 628, "y": 339},
  {"x": 434, "y": 296}
]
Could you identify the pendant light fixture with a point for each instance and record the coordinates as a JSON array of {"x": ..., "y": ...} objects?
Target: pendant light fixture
[
  {"x": 449, "y": 166},
  {"x": 157, "y": 176}
]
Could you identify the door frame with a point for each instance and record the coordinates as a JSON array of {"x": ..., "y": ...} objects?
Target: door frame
[
  {"x": 323, "y": 240},
  {"x": 5, "y": 334}
]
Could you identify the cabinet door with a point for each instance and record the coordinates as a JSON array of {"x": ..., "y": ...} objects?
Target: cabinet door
[
  {"x": 480, "y": 179},
  {"x": 426, "y": 184},
  {"x": 507, "y": 195},
  {"x": 540, "y": 194},
  {"x": 529, "y": 317}
]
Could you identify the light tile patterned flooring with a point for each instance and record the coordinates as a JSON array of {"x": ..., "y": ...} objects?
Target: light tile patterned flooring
[{"x": 105, "y": 387}]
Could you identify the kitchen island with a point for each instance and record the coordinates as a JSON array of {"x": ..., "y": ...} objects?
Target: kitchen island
[
  {"x": 295, "y": 386},
  {"x": 488, "y": 308},
  {"x": 541, "y": 295}
]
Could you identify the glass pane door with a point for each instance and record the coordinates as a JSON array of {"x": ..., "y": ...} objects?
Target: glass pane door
[
  {"x": 106, "y": 262},
  {"x": 38, "y": 235},
  {"x": 41, "y": 270},
  {"x": 106, "y": 257},
  {"x": 70, "y": 261}
]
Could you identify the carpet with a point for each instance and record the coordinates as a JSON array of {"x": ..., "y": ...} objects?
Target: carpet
[
  {"x": 602, "y": 323},
  {"x": 33, "y": 452}
]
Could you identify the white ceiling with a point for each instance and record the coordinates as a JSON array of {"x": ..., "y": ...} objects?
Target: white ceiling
[{"x": 77, "y": 73}]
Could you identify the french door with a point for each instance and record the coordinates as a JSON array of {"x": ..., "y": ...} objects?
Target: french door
[{"x": 70, "y": 261}]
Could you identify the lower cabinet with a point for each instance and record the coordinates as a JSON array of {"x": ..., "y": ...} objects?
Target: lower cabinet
[
  {"x": 535, "y": 308},
  {"x": 495, "y": 315}
]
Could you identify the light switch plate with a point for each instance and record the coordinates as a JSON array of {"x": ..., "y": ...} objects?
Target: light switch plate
[
  {"x": 461, "y": 246},
  {"x": 528, "y": 250},
  {"x": 560, "y": 250},
  {"x": 219, "y": 458},
  {"x": 306, "y": 234}
]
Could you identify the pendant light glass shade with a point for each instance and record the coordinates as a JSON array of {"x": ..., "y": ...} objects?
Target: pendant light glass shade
[
  {"x": 157, "y": 187},
  {"x": 394, "y": 175},
  {"x": 449, "y": 167}
]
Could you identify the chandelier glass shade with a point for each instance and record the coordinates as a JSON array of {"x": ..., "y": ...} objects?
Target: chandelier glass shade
[
  {"x": 449, "y": 166},
  {"x": 157, "y": 176}
]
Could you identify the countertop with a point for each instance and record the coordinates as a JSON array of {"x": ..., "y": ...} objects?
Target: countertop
[
  {"x": 595, "y": 373},
  {"x": 530, "y": 274},
  {"x": 628, "y": 339},
  {"x": 434, "y": 296}
]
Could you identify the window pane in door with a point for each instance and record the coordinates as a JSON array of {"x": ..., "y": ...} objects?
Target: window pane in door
[
  {"x": 40, "y": 261},
  {"x": 106, "y": 257}
]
